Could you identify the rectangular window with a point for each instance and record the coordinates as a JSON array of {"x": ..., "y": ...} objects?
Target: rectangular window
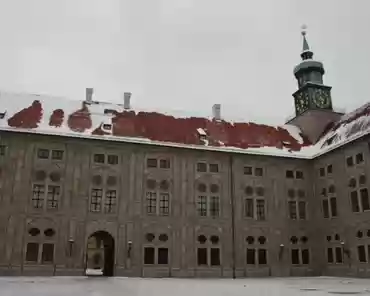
[
  {"x": 201, "y": 167},
  {"x": 330, "y": 169},
  {"x": 151, "y": 163},
  {"x": 149, "y": 255},
  {"x": 322, "y": 172},
  {"x": 295, "y": 256},
  {"x": 248, "y": 208},
  {"x": 258, "y": 172},
  {"x": 251, "y": 256},
  {"x": 330, "y": 255},
  {"x": 151, "y": 202},
  {"x": 302, "y": 210},
  {"x": 53, "y": 197},
  {"x": 354, "y": 202},
  {"x": 38, "y": 193},
  {"x": 361, "y": 253},
  {"x": 162, "y": 256},
  {"x": 248, "y": 170},
  {"x": 99, "y": 158},
  {"x": 214, "y": 206},
  {"x": 202, "y": 256},
  {"x": 359, "y": 158},
  {"x": 339, "y": 255},
  {"x": 164, "y": 204},
  {"x": 2, "y": 150},
  {"x": 215, "y": 257},
  {"x": 164, "y": 163},
  {"x": 333, "y": 206},
  {"x": 43, "y": 153},
  {"x": 289, "y": 174},
  {"x": 213, "y": 168},
  {"x": 292, "y": 206},
  {"x": 299, "y": 175},
  {"x": 47, "y": 253},
  {"x": 325, "y": 208},
  {"x": 262, "y": 257},
  {"x": 365, "y": 199},
  {"x": 260, "y": 203},
  {"x": 57, "y": 154},
  {"x": 305, "y": 256},
  {"x": 202, "y": 205},
  {"x": 110, "y": 201},
  {"x": 32, "y": 252},
  {"x": 349, "y": 161},
  {"x": 96, "y": 197},
  {"x": 112, "y": 159}
]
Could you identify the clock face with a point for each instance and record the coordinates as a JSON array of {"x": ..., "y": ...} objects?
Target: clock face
[
  {"x": 321, "y": 98},
  {"x": 301, "y": 102}
]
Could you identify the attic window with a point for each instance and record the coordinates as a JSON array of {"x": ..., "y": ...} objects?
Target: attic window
[
  {"x": 2, "y": 115},
  {"x": 202, "y": 134},
  {"x": 330, "y": 140},
  {"x": 109, "y": 111},
  {"x": 107, "y": 126}
]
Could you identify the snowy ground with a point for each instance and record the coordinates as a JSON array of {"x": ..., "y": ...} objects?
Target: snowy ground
[{"x": 81, "y": 286}]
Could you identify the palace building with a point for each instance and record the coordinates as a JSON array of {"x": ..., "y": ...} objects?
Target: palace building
[{"x": 97, "y": 186}]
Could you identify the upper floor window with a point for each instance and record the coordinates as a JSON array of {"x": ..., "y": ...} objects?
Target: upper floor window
[
  {"x": 290, "y": 174},
  {"x": 163, "y": 163},
  {"x": 208, "y": 200},
  {"x": 357, "y": 159},
  {"x": 112, "y": 159},
  {"x": 99, "y": 158},
  {"x": 297, "y": 204},
  {"x": 359, "y": 194},
  {"x": 327, "y": 171},
  {"x": 255, "y": 203},
  {"x": 43, "y": 153},
  {"x": 157, "y": 197},
  {"x": 299, "y": 175},
  {"x": 2, "y": 150},
  {"x": 213, "y": 167},
  {"x": 203, "y": 166},
  {"x": 57, "y": 154},
  {"x": 329, "y": 202},
  {"x": 256, "y": 171}
]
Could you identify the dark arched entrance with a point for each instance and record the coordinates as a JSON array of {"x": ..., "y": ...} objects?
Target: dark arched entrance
[{"x": 100, "y": 253}]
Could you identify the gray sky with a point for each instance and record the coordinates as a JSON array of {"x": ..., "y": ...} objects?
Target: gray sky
[{"x": 185, "y": 54}]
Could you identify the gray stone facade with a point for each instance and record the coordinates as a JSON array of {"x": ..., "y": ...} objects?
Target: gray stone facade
[{"x": 73, "y": 199}]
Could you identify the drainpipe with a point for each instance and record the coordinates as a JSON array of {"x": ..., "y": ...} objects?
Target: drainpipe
[{"x": 232, "y": 198}]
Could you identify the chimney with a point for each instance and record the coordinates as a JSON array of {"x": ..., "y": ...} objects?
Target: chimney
[
  {"x": 126, "y": 100},
  {"x": 89, "y": 93},
  {"x": 216, "y": 111}
]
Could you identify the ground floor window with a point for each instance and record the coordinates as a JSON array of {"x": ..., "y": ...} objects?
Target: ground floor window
[
  {"x": 256, "y": 256},
  {"x": 300, "y": 256},
  {"x": 208, "y": 256},
  {"x": 33, "y": 253},
  {"x": 154, "y": 255},
  {"x": 363, "y": 253}
]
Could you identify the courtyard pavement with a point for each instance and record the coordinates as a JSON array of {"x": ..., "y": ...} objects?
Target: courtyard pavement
[{"x": 82, "y": 286}]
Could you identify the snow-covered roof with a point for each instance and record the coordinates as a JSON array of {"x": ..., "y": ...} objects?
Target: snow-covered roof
[{"x": 49, "y": 115}]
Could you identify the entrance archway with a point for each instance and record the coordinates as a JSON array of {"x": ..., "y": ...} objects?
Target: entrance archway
[{"x": 100, "y": 253}]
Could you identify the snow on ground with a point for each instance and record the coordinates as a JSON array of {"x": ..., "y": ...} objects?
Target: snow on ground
[{"x": 82, "y": 286}]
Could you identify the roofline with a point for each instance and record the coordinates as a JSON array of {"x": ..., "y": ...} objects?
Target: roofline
[{"x": 188, "y": 146}]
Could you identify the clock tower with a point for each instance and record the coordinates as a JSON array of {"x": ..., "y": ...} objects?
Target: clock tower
[{"x": 312, "y": 100}]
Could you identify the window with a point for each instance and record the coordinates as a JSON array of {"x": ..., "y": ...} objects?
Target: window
[
  {"x": 151, "y": 202},
  {"x": 262, "y": 257},
  {"x": 349, "y": 161},
  {"x": 330, "y": 255},
  {"x": 248, "y": 208},
  {"x": 361, "y": 254},
  {"x": 151, "y": 163},
  {"x": 302, "y": 210},
  {"x": 202, "y": 256},
  {"x": 329, "y": 169},
  {"x": 99, "y": 158},
  {"x": 164, "y": 163},
  {"x": 213, "y": 168},
  {"x": 248, "y": 170},
  {"x": 202, "y": 205},
  {"x": 47, "y": 253},
  {"x": 251, "y": 256},
  {"x": 53, "y": 197},
  {"x": 149, "y": 255},
  {"x": 305, "y": 256},
  {"x": 38, "y": 196},
  {"x": 359, "y": 196},
  {"x": 2, "y": 150},
  {"x": 162, "y": 256},
  {"x": 57, "y": 154},
  {"x": 365, "y": 199},
  {"x": 260, "y": 209},
  {"x": 295, "y": 256},
  {"x": 354, "y": 202},
  {"x": 112, "y": 159},
  {"x": 110, "y": 201},
  {"x": 333, "y": 206},
  {"x": 201, "y": 167},
  {"x": 289, "y": 174},
  {"x": 215, "y": 257},
  {"x": 214, "y": 206},
  {"x": 96, "y": 198},
  {"x": 32, "y": 252},
  {"x": 339, "y": 254},
  {"x": 258, "y": 172},
  {"x": 299, "y": 175},
  {"x": 359, "y": 158},
  {"x": 164, "y": 204},
  {"x": 292, "y": 206},
  {"x": 322, "y": 172},
  {"x": 43, "y": 153}
]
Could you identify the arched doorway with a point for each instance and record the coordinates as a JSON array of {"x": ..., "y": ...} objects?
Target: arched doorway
[{"x": 100, "y": 253}]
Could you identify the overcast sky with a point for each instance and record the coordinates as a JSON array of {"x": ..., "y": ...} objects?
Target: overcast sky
[{"x": 185, "y": 54}]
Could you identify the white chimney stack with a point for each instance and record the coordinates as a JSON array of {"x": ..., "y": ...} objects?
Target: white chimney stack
[
  {"x": 126, "y": 100},
  {"x": 216, "y": 110},
  {"x": 89, "y": 94}
]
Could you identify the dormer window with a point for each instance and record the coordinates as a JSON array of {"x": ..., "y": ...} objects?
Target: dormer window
[
  {"x": 107, "y": 126},
  {"x": 2, "y": 115},
  {"x": 202, "y": 134}
]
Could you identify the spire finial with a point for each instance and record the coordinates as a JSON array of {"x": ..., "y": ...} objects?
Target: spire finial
[{"x": 306, "y": 52}]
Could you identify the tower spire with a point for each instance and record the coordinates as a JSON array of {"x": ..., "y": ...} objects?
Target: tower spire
[{"x": 306, "y": 52}]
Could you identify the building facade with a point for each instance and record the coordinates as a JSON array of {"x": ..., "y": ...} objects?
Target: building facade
[{"x": 70, "y": 203}]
